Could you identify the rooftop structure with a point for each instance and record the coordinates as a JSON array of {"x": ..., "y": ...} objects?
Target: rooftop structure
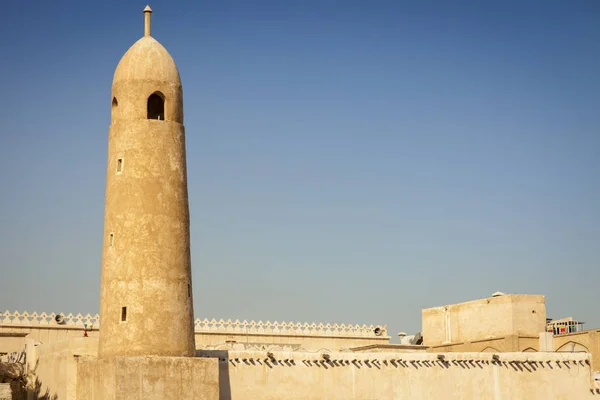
[
  {"x": 563, "y": 325},
  {"x": 498, "y": 316}
]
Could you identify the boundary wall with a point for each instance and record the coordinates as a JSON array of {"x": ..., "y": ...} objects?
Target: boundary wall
[
  {"x": 247, "y": 375},
  {"x": 45, "y": 329}
]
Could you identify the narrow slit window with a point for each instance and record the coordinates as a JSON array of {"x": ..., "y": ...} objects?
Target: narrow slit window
[
  {"x": 111, "y": 239},
  {"x": 123, "y": 314},
  {"x": 119, "y": 165},
  {"x": 115, "y": 105},
  {"x": 189, "y": 290}
]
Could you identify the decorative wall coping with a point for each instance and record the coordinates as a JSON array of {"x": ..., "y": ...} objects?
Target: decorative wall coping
[
  {"x": 288, "y": 328},
  {"x": 92, "y": 322},
  {"x": 49, "y": 320},
  {"x": 554, "y": 359}
]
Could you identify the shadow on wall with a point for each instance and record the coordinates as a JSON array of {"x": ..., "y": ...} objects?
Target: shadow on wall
[
  {"x": 224, "y": 381},
  {"x": 36, "y": 388},
  {"x": 39, "y": 395},
  {"x": 520, "y": 366},
  {"x": 13, "y": 374}
]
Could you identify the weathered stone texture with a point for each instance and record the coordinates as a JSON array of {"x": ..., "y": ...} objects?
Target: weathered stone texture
[
  {"x": 494, "y": 317},
  {"x": 5, "y": 391},
  {"x": 148, "y": 378},
  {"x": 146, "y": 303},
  {"x": 408, "y": 376},
  {"x": 11, "y": 391}
]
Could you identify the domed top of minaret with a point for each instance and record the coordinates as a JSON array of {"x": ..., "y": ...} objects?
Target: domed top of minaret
[
  {"x": 146, "y": 84},
  {"x": 147, "y": 60}
]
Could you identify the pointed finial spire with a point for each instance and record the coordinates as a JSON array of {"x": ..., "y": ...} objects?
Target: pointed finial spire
[{"x": 147, "y": 14}]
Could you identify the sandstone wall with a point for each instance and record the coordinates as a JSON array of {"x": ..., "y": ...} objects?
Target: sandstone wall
[
  {"x": 53, "y": 334},
  {"x": 580, "y": 341},
  {"x": 208, "y": 333},
  {"x": 307, "y": 342},
  {"x": 148, "y": 378},
  {"x": 512, "y": 343},
  {"x": 393, "y": 376},
  {"x": 10, "y": 343},
  {"x": 42, "y": 334},
  {"x": 506, "y": 315},
  {"x": 55, "y": 371}
]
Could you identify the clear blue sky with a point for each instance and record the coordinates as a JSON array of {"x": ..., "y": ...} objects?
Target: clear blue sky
[{"x": 347, "y": 161}]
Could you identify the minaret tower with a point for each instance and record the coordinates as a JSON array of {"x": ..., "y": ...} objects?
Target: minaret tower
[{"x": 146, "y": 288}]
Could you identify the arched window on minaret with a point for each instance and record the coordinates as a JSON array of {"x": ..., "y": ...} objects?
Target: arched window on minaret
[{"x": 156, "y": 106}]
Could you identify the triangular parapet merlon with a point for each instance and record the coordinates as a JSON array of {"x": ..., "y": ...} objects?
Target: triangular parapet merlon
[{"x": 205, "y": 325}]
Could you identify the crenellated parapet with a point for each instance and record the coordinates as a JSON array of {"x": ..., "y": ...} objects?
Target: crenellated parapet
[
  {"x": 68, "y": 320},
  {"x": 221, "y": 326},
  {"x": 288, "y": 328}
]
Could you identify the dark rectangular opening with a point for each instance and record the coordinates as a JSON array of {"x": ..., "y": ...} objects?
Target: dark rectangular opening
[
  {"x": 123, "y": 314},
  {"x": 119, "y": 165},
  {"x": 111, "y": 239},
  {"x": 189, "y": 290}
]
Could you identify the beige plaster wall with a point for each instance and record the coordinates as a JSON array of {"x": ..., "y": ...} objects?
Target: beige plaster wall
[
  {"x": 148, "y": 378},
  {"x": 307, "y": 342},
  {"x": 512, "y": 343},
  {"x": 392, "y": 376},
  {"x": 305, "y": 375},
  {"x": 390, "y": 348},
  {"x": 48, "y": 334},
  {"x": 523, "y": 315},
  {"x": 529, "y": 314},
  {"x": 10, "y": 344},
  {"x": 55, "y": 371},
  {"x": 42, "y": 334},
  {"x": 580, "y": 341}
]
